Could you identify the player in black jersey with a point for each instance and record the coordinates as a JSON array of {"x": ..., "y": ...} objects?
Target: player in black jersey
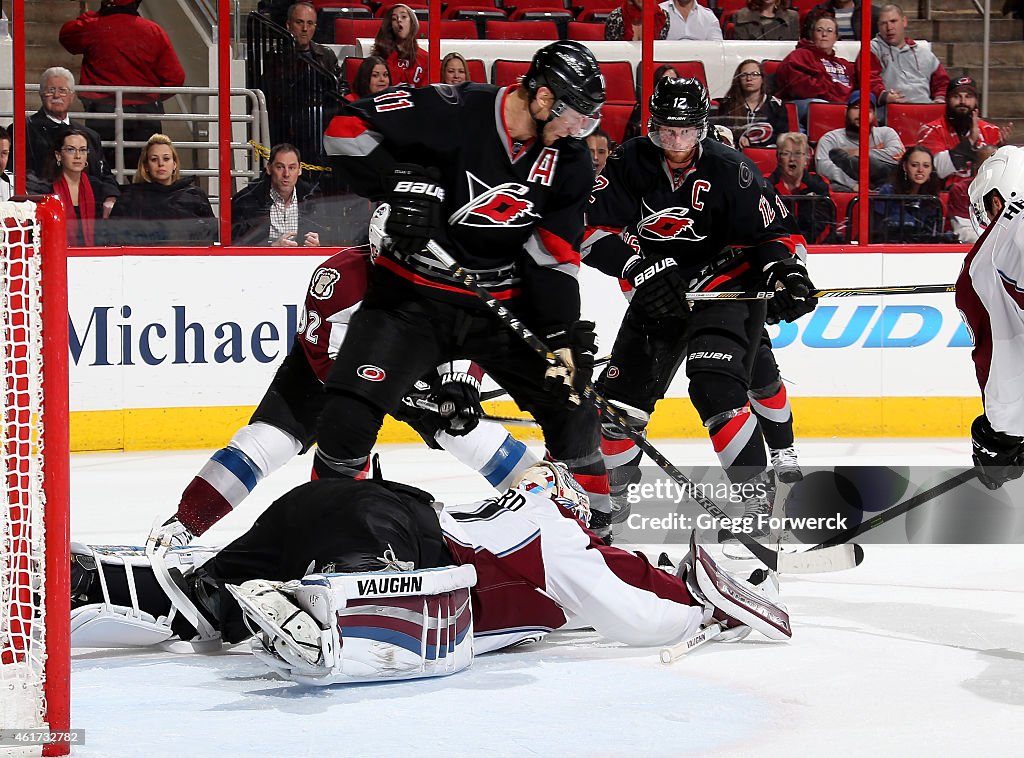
[
  {"x": 495, "y": 176},
  {"x": 685, "y": 213}
]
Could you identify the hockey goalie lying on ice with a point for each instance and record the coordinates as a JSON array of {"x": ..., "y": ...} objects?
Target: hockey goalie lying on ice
[{"x": 344, "y": 581}]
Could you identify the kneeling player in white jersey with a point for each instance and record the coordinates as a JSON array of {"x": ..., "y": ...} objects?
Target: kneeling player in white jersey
[
  {"x": 352, "y": 580},
  {"x": 990, "y": 296},
  {"x": 284, "y": 423}
]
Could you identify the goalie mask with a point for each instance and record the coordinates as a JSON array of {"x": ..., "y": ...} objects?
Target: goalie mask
[
  {"x": 361, "y": 627},
  {"x": 1003, "y": 172},
  {"x": 552, "y": 479},
  {"x": 379, "y": 239}
]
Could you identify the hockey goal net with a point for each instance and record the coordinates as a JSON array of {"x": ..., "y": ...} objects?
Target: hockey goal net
[{"x": 34, "y": 521}]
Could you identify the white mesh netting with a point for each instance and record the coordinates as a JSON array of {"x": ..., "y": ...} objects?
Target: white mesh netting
[{"x": 22, "y": 558}]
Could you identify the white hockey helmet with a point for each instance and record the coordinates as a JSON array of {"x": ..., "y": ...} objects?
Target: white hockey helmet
[
  {"x": 552, "y": 479},
  {"x": 379, "y": 240},
  {"x": 1003, "y": 171}
]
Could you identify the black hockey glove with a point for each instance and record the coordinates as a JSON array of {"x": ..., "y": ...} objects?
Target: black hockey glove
[
  {"x": 575, "y": 347},
  {"x": 458, "y": 403},
  {"x": 963, "y": 154},
  {"x": 659, "y": 287},
  {"x": 416, "y": 199},
  {"x": 791, "y": 287},
  {"x": 1001, "y": 456}
]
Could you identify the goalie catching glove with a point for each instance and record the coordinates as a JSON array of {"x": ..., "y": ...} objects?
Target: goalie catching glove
[
  {"x": 416, "y": 199},
  {"x": 574, "y": 346},
  {"x": 1000, "y": 456},
  {"x": 659, "y": 288},
  {"x": 791, "y": 288}
]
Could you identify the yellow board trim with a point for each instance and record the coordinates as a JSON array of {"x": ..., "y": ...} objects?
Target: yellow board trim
[{"x": 174, "y": 428}]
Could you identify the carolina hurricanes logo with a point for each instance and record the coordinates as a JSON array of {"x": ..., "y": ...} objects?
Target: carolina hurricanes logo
[
  {"x": 370, "y": 373},
  {"x": 758, "y": 132},
  {"x": 667, "y": 224},
  {"x": 503, "y": 205}
]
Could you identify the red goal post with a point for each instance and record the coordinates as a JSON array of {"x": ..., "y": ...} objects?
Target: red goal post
[{"x": 35, "y": 595}]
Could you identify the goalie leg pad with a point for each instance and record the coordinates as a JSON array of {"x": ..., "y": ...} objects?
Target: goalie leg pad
[{"x": 360, "y": 627}]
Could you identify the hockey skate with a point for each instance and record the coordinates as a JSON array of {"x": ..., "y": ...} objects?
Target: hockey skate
[
  {"x": 734, "y": 605},
  {"x": 786, "y": 465},
  {"x": 755, "y": 523}
]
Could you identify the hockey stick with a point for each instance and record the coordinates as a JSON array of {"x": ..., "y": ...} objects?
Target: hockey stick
[
  {"x": 767, "y": 556},
  {"x": 426, "y": 405},
  {"x": 694, "y": 641},
  {"x": 896, "y": 289},
  {"x": 897, "y": 510}
]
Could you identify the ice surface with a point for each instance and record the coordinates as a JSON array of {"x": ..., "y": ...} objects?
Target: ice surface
[{"x": 919, "y": 651}]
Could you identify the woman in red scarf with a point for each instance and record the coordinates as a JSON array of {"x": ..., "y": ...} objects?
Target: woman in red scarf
[{"x": 65, "y": 177}]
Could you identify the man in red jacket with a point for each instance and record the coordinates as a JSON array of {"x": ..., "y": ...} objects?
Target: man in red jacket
[
  {"x": 120, "y": 48},
  {"x": 956, "y": 138}
]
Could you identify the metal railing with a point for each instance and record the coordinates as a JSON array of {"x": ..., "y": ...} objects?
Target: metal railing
[
  {"x": 256, "y": 121},
  {"x": 302, "y": 96}
]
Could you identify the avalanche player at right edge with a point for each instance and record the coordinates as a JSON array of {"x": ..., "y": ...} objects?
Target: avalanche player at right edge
[
  {"x": 498, "y": 181},
  {"x": 683, "y": 212}
]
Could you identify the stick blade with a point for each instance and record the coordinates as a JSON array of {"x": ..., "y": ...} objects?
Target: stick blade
[{"x": 837, "y": 558}]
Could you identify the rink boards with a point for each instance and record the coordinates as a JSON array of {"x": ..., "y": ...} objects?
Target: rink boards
[{"x": 170, "y": 349}]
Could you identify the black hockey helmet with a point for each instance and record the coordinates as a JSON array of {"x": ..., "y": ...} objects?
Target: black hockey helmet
[
  {"x": 571, "y": 72},
  {"x": 680, "y": 103}
]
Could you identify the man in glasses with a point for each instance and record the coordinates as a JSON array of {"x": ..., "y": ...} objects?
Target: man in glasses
[
  {"x": 695, "y": 215},
  {"x": 56, "y": 93},
  {"x": 501, "y": 180}
]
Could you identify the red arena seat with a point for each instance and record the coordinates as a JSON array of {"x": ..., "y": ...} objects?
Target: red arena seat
[
  {"x": 348, "y": 30},
  {"x": 614, "y": 117},
  {"x": 685, "y": 69},
  {"x": 585, "y": 31},
  {"x": 543, "y": 30},
  {"x": 824, "y": 117},
  {"x": 764, "y": 157},
  {"x": 907, "y": 118},
  {"x": 507, "y": 72},
  {"x": 618, "y": 80}
]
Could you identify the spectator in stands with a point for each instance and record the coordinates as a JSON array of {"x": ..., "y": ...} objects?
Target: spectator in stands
[
  {"x": 959, "y": 208},
  {"x": 907, "y": 73},
  {"x": 372, "y": 76},
  {"x": 625, "y": 22},
  {"x": 160, "y": 207},
  {"x": 278, "y": 210},
  {"x": 119, "y": 48},
  {"x": 815, "y": 215},
  {"x": 955, "y": 138},
  {"x": 633, "y": 124},
  {"x": 64, "y": 175},
  {"x": 910, "y": 220},
  {"x": 766, "y": 19},
  {"x": 454, "y": 69},
  {"x": 396, "y": 43},
  {"x": 302, "y": 25},
  {"x": 688, "y": 19},
  {"x": 813, "y": 72},
  {"x": 56, "y": 93},
  {"x": 756, "y": 118},
  {"x": 6, "y": 177},
  {"x": 838, "y": 151},
  {"x": 600, "y": 145},
  {"x": 847, "y": 14}
]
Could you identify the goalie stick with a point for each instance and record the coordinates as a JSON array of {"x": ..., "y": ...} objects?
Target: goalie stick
[
  {"x": 701, "y": 637},
  {"x": 767, "y": 556},
  {"x": 896, "y": 289}
]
